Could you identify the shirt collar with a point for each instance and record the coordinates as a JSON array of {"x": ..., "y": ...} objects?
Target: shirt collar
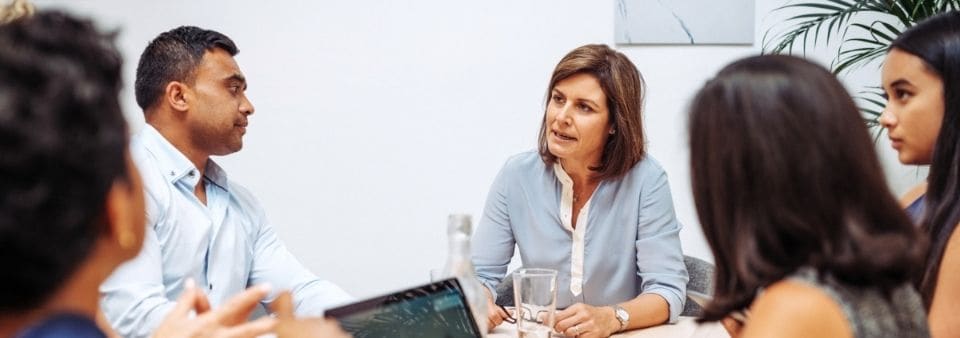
[
  {"x": 175, "y": 165},
  {"x": 561, "y": 174}
]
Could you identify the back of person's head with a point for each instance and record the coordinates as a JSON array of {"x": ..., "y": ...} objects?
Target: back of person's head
[
  {"x": 62, "y": 146},
  {"x": 623, "y": 86},
  {"x": 174, "y": 56},
  {"x": 785, "y": 176},
  {"x": 14, "y": 10},
  {"x": 936, "y": 41}
]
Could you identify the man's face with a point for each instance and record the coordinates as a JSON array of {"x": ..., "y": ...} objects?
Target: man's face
[{"x": 218, "y": 105}]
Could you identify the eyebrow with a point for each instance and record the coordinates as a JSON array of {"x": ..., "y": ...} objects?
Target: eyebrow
[
  {"x": 589, "y": 101},
  {"x": 899, "y": 82},
  {"x": 239, "y": 78}
]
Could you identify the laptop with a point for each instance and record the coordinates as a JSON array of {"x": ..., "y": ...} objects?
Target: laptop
[{"x": 438, "y": 309}]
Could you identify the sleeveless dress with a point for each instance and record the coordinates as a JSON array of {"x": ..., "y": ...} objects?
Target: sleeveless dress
[{"x": 869, "y": 312}]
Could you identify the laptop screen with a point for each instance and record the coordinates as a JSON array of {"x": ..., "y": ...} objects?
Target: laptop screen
[{"x": 434, "y": 310}]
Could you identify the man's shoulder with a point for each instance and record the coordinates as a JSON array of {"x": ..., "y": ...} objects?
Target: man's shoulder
[
  {"x": 148, "y": 166},
  {"x": 241, "y": 193}
]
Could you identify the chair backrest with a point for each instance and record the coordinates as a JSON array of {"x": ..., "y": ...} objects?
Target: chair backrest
[
  {"x": 505, "y": 291},
  {"x": 701, "y": 280}
]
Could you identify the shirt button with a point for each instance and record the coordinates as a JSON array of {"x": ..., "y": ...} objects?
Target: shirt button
[
  {"x": 192, "y": 173},
  {"x": 172, "y": 173}
]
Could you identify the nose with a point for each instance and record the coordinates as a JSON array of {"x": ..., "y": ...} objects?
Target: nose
[
  {"x": 563, "y": 114},
  {"x": 887, "y": 119},
  {"x": 246, "y": 107}
]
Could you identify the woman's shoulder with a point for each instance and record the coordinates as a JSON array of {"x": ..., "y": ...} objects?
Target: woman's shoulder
[
  {"x": 645, "y": 174},
  {"x": 647, "y": 166},
  {"x": 524, "y": 162},
  {"x": 791, "y": 308},
  {"x": 911, "y": 196}
]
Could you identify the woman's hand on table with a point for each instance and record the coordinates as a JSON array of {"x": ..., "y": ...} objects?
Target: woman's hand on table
[
  {"x": 585, "y": 321},
  {"x": 495, "y": 314}
]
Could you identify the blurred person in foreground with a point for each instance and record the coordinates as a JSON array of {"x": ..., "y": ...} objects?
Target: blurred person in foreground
[{"x": 793, "y": 202}]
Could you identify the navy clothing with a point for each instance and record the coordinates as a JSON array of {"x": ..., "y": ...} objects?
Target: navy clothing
[
  {"x": 915, "y": 209},
  {"x": 64, "y": 325}
]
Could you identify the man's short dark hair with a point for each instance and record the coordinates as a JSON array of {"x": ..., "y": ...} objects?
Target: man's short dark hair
[
  {"x": 63, "y": 142},
  {"x": 174, "y": 56}
]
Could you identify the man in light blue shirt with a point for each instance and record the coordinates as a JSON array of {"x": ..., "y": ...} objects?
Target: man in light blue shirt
[{"x": 200, "y": 225}]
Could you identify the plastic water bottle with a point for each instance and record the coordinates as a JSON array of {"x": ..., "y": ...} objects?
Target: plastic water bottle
[{"x": 459, "y": 265}]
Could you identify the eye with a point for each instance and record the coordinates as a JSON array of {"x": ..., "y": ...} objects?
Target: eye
[
  {"x": 902, "y": 95},
  {"x": 584, "y": 108},
  {"x": 556, "y": 98}
]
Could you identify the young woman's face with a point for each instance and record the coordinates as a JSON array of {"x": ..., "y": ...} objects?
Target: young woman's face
[{"x": 915, "y": 106}]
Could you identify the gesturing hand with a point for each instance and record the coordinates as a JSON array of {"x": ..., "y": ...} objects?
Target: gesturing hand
[
  {"x": 227, "y": 321},
  {"x": 289, "y": 327}
]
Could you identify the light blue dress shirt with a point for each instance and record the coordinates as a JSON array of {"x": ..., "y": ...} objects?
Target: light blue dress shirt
[
  {"x": 226, "y": 245},
  {"x": 626, "y": 242}
]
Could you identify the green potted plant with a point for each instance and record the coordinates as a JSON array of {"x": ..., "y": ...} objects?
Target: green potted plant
[{"x": 861, "y": 29}]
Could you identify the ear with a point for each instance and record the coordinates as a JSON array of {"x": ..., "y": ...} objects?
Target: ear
[
  {"x": 121, "y": 220},
  {"x": 177, "y": 95}
]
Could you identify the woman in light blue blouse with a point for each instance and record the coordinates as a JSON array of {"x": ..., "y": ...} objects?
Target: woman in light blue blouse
[{"x": 590, "y": 204}]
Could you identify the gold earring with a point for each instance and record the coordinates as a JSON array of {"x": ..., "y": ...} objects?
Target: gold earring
[{"x": 125, "y": 240}]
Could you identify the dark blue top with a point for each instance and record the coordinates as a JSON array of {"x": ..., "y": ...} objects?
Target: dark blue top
[
  {"x": 63, "y": 325},
  {"x": 915, "y": 209}
]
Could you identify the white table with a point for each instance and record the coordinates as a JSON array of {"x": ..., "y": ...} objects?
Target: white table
[{"x": 685, "y": 327}]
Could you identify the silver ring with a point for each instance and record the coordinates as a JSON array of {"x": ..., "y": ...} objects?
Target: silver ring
[{"x": 576, "y": 330}]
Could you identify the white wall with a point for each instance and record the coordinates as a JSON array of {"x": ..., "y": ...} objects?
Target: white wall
[{"x": 376, "y": 118}]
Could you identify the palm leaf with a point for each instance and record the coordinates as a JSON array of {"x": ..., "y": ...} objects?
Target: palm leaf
[
  {"x": 832, "y": 13},
  {"x": 856, "y": 52},
  {"x": 865, "y": 29},
  {"x": 874, "y": 103}
]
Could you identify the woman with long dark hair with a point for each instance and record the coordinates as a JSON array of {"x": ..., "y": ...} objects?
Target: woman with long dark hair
[
  {"x": 793, "y": 202},
  {"x": 921, "y": 75}
]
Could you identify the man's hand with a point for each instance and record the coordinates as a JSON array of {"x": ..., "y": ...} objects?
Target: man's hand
[
  {"x": 289, "y": 326},
  {"x": 227, "y": 321}
]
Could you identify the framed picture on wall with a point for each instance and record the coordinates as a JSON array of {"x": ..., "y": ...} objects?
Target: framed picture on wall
[{"x": 684, "y": 22}]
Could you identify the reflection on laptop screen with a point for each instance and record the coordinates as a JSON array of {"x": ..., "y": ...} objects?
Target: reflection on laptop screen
[{"x": 434, "y": 310}]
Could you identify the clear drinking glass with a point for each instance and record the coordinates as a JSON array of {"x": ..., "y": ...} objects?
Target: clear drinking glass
[{"x": 535, "y": 295}]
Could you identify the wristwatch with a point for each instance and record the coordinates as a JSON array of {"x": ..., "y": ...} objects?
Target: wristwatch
[{"x": 622, "y": 315}]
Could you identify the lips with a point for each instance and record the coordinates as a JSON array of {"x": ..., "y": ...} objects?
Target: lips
[
  {"x": 896, "y": 143},
  {"x": 562, "y": 136}
]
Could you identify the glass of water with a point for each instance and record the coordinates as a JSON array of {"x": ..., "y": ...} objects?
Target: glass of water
[{"x": 535, "y": 297}]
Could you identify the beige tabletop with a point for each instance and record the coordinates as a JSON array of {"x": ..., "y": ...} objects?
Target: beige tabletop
[{"x": 685, "y": 327}]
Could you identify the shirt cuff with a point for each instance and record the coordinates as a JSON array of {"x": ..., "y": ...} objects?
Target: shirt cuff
[{"x": 492, "y": 289}]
